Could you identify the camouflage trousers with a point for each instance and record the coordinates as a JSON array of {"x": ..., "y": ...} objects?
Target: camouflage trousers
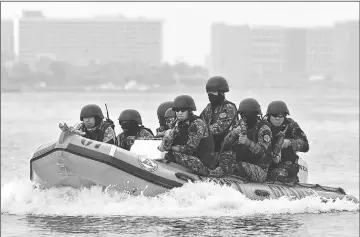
[
  {"x": 228, "y": 166},
  {"x": 215, "y": 156},
  {"x": 284, "y": 172},
  {"x": 190, "y": 162}
]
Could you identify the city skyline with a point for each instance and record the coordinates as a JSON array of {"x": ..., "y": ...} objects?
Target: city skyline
[
  {"x": 103, "y": 40},
  {"x": 274, "y": 53},
  {"x": 187, "y": 26}
]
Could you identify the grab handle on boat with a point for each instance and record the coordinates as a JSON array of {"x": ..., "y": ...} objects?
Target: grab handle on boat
[{"x": 184, "y": 177}]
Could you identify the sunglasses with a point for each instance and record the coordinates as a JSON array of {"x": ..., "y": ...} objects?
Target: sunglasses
[
  {"x": 178, "y": 110},
  {"x": 125, "y": 122},
  {"x": 277, "y": 115}
]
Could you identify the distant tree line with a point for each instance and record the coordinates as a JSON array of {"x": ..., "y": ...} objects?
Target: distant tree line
[{"x": 52, "y": 72}]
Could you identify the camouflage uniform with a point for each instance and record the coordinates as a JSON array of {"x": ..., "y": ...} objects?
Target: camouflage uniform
[
  {"x": 258, "y": 147},
  {"x": 126, "y": 142},
  {"x": 219, "y": 120},
  {"x": 102, "y": 133},
  {"x": 170, "y": 120},
  {"x": 163, "y": 107},
  {"x": 160, "y": 131},
  {"x": 130, "y": 120},
  {"x": 186, "y": 156},
  {"x": 286, "y": 170}
]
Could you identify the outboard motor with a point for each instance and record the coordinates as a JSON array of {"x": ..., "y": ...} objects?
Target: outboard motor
[{"x": 303, "y": 171}]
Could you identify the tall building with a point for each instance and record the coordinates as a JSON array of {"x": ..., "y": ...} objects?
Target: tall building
[
  {"x": 346, "y": 52},
  {"x": 273, "y": 55},
  {"x": 96, "y": 39},
  {"x": 7, "y": 40},
  {"x": 295, "y": 53},
  {"x": 230, "y": 52},
  {"x": 267, "y": 58},
  {"x": 247, "y": 55},
  {"x": 319, "y": 51}
]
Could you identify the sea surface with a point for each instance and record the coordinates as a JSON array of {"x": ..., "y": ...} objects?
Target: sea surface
[{"x": 329, "y": 117}]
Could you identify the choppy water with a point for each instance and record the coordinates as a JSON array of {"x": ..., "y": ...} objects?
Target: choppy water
[{"x": 330, "y": 119}]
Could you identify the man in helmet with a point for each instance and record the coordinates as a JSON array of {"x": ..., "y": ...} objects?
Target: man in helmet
[
  {"x": 93, "y": 125},
  {"x": 247, "y": 147},
  {"x": 170, "y": 118},
  {"x": 220, "y": 114},
  {"x": 293, "y": 140},
  {"x": 189, "y": 143},
  {"x": 131, "y": 124},
  {"x": 163, "y": 107}
]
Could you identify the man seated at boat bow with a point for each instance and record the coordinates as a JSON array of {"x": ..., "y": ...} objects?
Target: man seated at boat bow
[{"x": 92, "y": 126}]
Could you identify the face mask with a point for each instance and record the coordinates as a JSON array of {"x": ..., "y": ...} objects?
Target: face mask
[
  {"x": 129, "y": 127},
  {"x": 251, "y": 119},
  {"x": 216, "y": 99}
]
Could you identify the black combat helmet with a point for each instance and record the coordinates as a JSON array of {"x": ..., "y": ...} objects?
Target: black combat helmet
[
  {"x": 217, "y": 83},
  {"x": 130, "y": 115},
  {"x": 248, "y": 106},
  {"x": 91, "y": 110},
  {"x": 170, "y": 113},
  {"x": 163, "y": 107},
  {"x": 184, "y": 102},
  {"x": 277, "y": 107}
]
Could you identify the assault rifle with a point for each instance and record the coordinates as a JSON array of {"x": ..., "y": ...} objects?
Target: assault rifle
[
  {"x": 108, "y": 118},
  {"x": 278, "y": 144},
  {"x": 242, "y": 129}
]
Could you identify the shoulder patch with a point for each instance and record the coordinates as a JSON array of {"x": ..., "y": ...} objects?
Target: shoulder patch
[
  {"x": 222, "y": 115},
  {"x": 267, "y": 138}
]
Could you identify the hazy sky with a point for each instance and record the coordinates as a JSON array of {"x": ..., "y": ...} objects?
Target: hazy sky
[{"x": 187, "y": 25}]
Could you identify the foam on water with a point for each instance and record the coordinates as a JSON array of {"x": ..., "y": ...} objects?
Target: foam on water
[{"x": 199, "y": 199}]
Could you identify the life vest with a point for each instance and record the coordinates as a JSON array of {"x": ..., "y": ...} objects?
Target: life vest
[
  {"x": 219, "y": 137},
  {"x": 98, "y": 134},
  {"x": 244, "y": 154},
  {"x": 287, "y": 154},
  {"x": 205, "y": 148}
]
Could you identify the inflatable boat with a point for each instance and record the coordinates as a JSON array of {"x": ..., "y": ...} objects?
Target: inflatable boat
[{"x": 78, "y": 162}]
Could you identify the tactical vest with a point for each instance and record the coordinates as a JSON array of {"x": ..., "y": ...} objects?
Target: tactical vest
[
  {"x": 244, "y": 154},
  {"x": 98, "y": 134},
  {"x": 219, "y": 137},
  {"x": 287, "y": 154},
  {"x": 122, "y": 139},
  {"x": 205, "y": 147}
]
